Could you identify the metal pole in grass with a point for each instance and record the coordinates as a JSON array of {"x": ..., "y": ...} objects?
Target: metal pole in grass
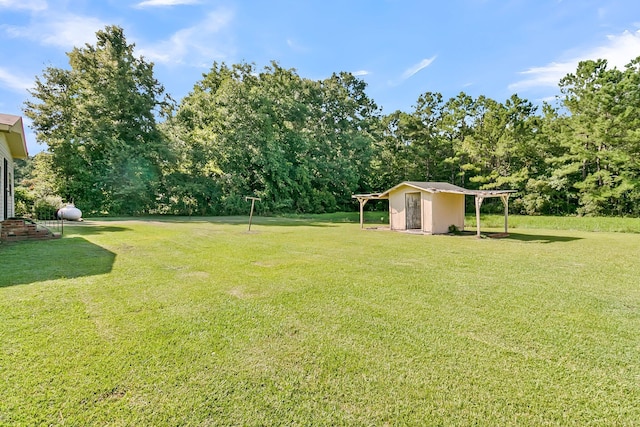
[{"x": 253, "y": 201}]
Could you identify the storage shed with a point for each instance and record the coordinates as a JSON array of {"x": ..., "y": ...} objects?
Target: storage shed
[
  {"x": 431, "y": 207},
  {"x": 13, "y": 145}
]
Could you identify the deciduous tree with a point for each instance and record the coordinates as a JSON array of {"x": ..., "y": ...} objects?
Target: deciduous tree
[
  {"x": 300, "y": 145},
  {"x": 98, "y": 119}
]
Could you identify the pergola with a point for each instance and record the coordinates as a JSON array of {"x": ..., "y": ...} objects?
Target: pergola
[
  {"x": 363, "y": 199},
  {"x": 479, "y": 196}
]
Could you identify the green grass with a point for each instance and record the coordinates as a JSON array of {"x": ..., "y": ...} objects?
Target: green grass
[
  {"x": 606, "y": 224},
  {"x": 195, "y": 321}
]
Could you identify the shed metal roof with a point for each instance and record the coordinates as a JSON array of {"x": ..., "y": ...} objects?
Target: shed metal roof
[{"x": 445, "y": 187}]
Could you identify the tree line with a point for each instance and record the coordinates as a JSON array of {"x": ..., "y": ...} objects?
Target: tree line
[{"x": 119, "y": 145}]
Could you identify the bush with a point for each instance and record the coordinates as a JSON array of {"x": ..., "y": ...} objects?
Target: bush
[
  {"x": 47, "y": 207},
  {"x": 24, "y": 201}
]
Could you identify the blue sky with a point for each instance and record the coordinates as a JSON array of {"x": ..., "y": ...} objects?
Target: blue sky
[{"x": 400, "y": 48}]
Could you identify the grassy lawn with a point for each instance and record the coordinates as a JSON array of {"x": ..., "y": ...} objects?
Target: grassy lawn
[{"x": 312, "y": 321}]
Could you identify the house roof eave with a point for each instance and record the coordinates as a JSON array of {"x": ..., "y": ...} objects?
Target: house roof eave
[{"x": 13, "y": 127}]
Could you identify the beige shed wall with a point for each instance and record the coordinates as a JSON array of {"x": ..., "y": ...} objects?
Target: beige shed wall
[
  {"x": 5, "y": 154},
  {"x": 397, "y": 214},
  {"x": 427, "y": 214},
  {"x": 397, "y": 208},
  {"x": 439, "y": 210},
  {"x": 447, "y": 209}
]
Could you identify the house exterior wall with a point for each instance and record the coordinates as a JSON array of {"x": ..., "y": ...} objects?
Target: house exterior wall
[
  {"x": 448, "y": 209},
  {"x": 6, "y": 154}
]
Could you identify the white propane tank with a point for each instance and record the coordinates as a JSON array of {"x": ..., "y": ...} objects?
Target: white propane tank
[{"x": 70, "y": 213}]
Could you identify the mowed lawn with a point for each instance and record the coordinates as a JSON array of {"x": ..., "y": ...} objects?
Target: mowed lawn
[{"x": 196, "y": 322}]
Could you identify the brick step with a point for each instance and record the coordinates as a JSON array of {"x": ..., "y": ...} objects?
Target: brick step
[{"x": 15, "y": 230}]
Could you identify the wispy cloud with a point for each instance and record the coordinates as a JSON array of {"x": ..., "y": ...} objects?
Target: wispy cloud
[
  {"x": 32, "y": 5},
  {"x": 15, "y": 82},
  {"x": 165, "y": 3},
  {"x": 361, "y": 73},
  {"x": 548, "y": 99},
  {"x": 193, "y": 45},
  {"x": 417, "y": 67},
  {"x": 295, "y": 46},
  {"x": 61, "y": 30},
  {"x": 546, "y": 76},
  {"x": 618, "y": 50}
]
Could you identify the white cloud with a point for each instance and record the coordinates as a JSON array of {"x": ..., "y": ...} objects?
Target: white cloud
[
  {"x": 32, "y": 5},
  {"x": 546, "y": 76},
  {"x": 14, "y": 82},
  {"x": 548, "y": 99},
  {"x": 618, "y": 50},
  {"x": 202, "y": 42},
  {"x": 65, "y": 31},
  {"x": 361, "y": 73},
  {"x": 165, "y": 3},
  {"x": 419, "y": 66}
]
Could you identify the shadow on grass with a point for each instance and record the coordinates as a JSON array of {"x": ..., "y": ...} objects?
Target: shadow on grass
[
  {"x": 540, "y": 238},
  {"x": 89, "y": 227},
  {"x": 226, "y": 220},
  {"x": 68, "y": 258},
  {"x": 289, "y": 222},
  {"x": 533, "y": 238}
]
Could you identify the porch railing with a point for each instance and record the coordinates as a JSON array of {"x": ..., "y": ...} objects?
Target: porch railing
[{"x": 55, "y": 225}]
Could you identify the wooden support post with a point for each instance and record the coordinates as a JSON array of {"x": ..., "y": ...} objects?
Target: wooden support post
[
  {"x": 363, "y": 201},
  {"x": 505, "y": 202},
  {"x": 479, "y": 200},
  {"x": 253, "y": 201}
]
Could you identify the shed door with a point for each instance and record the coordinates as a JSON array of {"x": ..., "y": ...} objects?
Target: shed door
[
  {"x": 414, "y": 213},
  {"x": 5, "y": 189}
]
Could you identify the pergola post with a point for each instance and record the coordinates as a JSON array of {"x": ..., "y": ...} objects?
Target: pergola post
[
  {"x": 505, "y": 202},
  {"x": 479, "y": 200},
  {"x": 363, "y": 201}
]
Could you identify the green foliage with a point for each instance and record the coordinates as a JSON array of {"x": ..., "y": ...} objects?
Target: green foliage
[
  {"x": 98, "y": 119},
  {"x": 46, "y": 207},
  {"x": 24, "y": 201},
  {"x": 601, "y": 145},
  {"x": 35, "y": 194},
  {"x": 475, "y": 143},
  {"x": 299, "y": 145},
  {"x": 580, "y": 159},
  {"x": 35, "y": 176}
]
